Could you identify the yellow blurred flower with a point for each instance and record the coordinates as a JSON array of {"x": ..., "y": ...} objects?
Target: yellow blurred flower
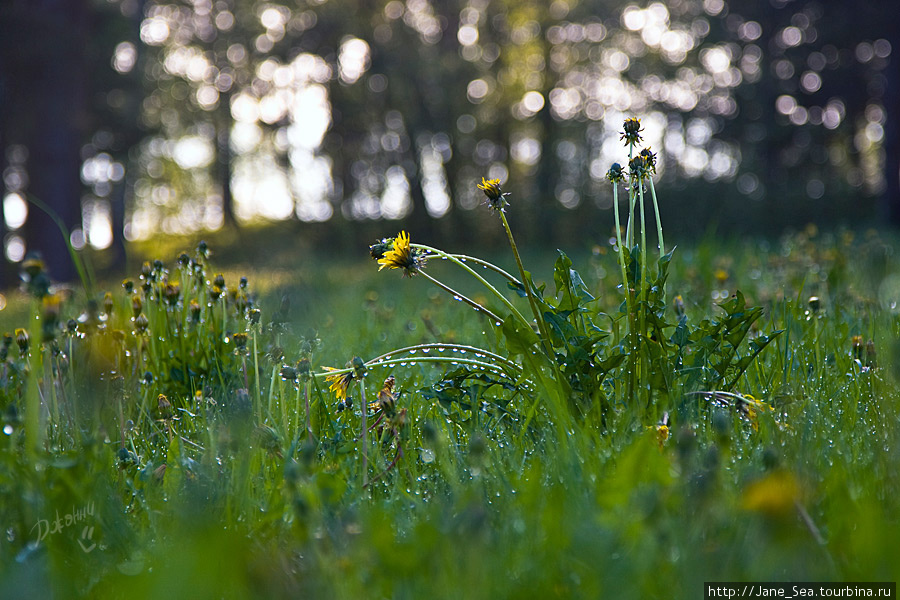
[{"x": 775, "y": 494}]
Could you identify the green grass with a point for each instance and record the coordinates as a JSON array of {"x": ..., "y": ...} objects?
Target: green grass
[{"x": 496, "y": 493}]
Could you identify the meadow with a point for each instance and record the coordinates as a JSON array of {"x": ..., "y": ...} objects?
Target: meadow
[{"x": 631, "y": 422}]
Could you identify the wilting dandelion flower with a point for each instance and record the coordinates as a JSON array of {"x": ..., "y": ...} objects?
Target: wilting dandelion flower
[
  {"x": 632, "y": 133},
  {"x": 386, "y": 397},
  {"x": 495, "y": 196},
  {"x": 340, "y": 382},
  {"x": 616, "y": 174},
  {"x": 402, "y": 256},
  {"x": 649, "y": 160}
]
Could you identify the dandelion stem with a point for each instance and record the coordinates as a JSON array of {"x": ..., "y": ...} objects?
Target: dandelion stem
[
  {"x": 531, "y": 300},
  {"x": 365, "y": 448},
  {"x": 481, "y": 279},
  {"x": 489, "y": 265},
  {"x": 479, "y": 308},
  {"x": 441, "y": 347},
  {"x": 659, "y": 233},
  {"x": 621, "y": 252}
]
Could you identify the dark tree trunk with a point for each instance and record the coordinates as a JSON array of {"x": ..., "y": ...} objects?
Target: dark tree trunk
[
  {"x": 224, "y": 160},
  {"x": 59, "y": 99},
  {"x": 891, "y": 198}
]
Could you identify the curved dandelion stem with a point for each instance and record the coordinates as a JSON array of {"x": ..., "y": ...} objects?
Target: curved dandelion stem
[
  {"x": 489, "y": 265},
  {"x": 481, "y": 279},
  {"x": 478, "y": 308},
  {"x": 441, "y": 347}
]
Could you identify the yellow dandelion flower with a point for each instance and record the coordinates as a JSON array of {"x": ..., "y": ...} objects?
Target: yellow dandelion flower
[
  {"x": 340, "y": 382},
  {"x": 495, "y": 196},
  {"x": 662, "y": 435},
  {"x": 402, "y": 256}
]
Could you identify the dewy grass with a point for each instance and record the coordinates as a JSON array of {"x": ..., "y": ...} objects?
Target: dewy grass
[{"x": 191, "y": 440}]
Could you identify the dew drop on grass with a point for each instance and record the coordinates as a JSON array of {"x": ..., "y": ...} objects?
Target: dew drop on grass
[
  {"x": 8, "y": 429},
  {"x": 426, "y": 350}
]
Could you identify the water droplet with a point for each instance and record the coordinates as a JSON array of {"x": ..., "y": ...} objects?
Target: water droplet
[
  {"x": 8, "y": 429},
  {"x": 426, "y": 350}
]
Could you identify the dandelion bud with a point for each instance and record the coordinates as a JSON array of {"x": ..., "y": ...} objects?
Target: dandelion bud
[
  {"x": 203, "y": 249},
  {"x": 240, "y": 340},
  {"x": 649, "y": 160},
  {"x": 243, "y": 283},
  {"x": 814, "y": 304},
  {"x": 219, "y": 280},
  {"x": 164, "y": 406},
  {"x": 637, "y": 168},
  {"x": 108, "y": 303},
  {"x": 288, "y": 373},
  {"x": 72, "y": 326},
  {"x": 158, "y": 265},
  {"x": 33, "y": 265},
  {"x": 379, "y": 248},
  {"x": 172, "y": 293},
  {"x": 615, "y": 174},
  {"x": 146, "y": 269},
  {"x": 195, "y": 311},
  {"x": 184, "y": 260},
  {"x": 359, "y": 367},
  {"x": 304, "y": 368},
  {"x": 22, "y": 340},
  {"x": 632, "y": 133},
  {"x": 856, "y": 342},
  {"x": 254, "y": 316},
  {"x": 141, "y": 323},
  {"x": 129, "y": 286},
  {"x": 678, "y": 305},
  {"x": 137, "y": 305},
  {"x": 215, "y": 293}
]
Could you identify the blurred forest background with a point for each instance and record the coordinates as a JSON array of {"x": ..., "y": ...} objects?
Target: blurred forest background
[{"x": 135, "y": 118}]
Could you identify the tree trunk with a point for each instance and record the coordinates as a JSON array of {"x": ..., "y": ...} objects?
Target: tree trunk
[
  {"x": 59, "y": 100},
  {"x": 891, "y": 198},
  {"x": 224, "y": 160}
]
